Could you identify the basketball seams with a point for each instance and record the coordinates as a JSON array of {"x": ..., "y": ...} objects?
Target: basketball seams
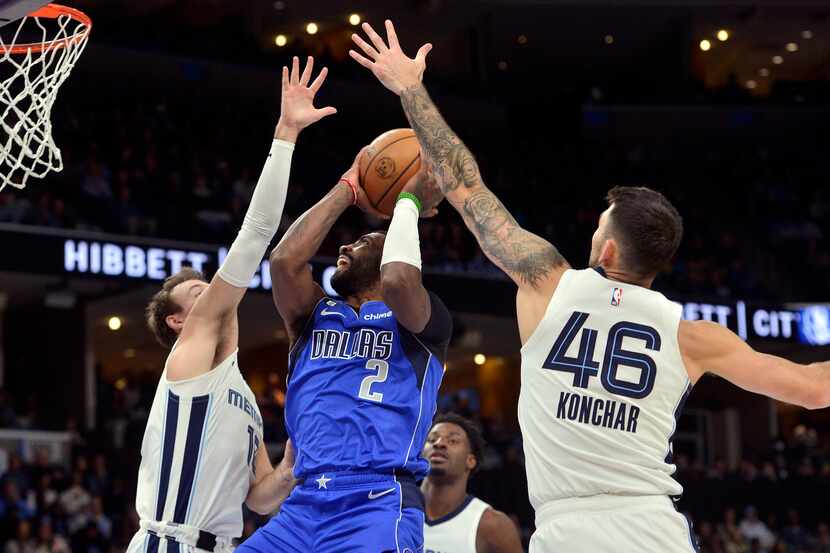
[
  {"x": 377, "y": 154},
  {"x": 410, "y": 134},
  {"x": 376, "y": 203},
  {"x": 369, "y": 164}
]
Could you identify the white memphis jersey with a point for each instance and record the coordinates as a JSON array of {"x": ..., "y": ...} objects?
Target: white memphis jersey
[
  {"x": 603, "y": 382},
  {"x": 197, "y": 456},
  {"x": 456, "y": 532}
]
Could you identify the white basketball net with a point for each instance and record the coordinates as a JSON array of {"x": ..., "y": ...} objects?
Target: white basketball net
[{"x": 29, "y": 84}]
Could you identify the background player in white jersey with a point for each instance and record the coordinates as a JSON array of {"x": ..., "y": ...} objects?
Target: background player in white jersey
[
  {"x": 457, "y": 522},
  {"x": 201, "y": 456},
  {"x": 606, "y": 362}
]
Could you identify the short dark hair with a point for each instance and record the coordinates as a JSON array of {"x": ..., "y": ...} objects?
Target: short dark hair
[
  {"x": 647, "y": 227},
  {"x": 162, "y": 306},
  {"x": 472, "y": 431}
]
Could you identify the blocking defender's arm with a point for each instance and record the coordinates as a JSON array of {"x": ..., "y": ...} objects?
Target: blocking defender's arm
[
  {"x": 710, "y": 347},
  {"x": 272, "y": 484},
  {"x": 216, "y": 306},
  {"x": 529, "y": 260},
  {"x": 534, "y": 264}
]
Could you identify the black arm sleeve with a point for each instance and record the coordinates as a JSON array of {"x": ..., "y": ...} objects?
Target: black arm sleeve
[{"x": 438, "y": 331}]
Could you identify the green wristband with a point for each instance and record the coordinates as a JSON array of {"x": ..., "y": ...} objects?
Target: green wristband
[{"x": 412, "y": 197}]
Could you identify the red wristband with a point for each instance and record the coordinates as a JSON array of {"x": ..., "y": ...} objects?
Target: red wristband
[{"x": 353, "y": 187}]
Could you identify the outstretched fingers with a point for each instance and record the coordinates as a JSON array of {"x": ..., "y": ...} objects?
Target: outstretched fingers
[
  {"x": 365, "y": 46},
  {"x": 309, "y": 66},
  {"x": 318, "y": 82},
  {"x": 391, "y": 35},
  {"x": 362, "y": 60},
  {"x": 325, "y": 112},
  {"x": 375, "y": 38},
  {"x": 422, "y": 52},
  {"x": 295, "y": 70}
]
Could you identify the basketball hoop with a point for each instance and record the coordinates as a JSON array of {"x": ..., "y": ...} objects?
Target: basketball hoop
[{"x": 31, "y": 72}]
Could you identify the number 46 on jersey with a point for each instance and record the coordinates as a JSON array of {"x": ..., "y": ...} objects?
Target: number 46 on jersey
[{"x": 584, "y": 367}]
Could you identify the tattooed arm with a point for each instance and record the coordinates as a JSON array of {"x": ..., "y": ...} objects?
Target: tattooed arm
[
  {"x": 533, "y": 263},
  {"x": 528, "y": 259}
]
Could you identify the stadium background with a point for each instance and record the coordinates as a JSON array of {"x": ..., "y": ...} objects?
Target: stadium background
[{"x": 165, "y": 121}]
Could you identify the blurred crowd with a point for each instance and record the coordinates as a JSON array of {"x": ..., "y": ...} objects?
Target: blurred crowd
[
  {"x": 186, "y": 171},
  {"x": 777, "y": 503}
]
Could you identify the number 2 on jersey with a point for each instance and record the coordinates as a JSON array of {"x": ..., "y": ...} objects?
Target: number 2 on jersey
[
  {"x": 365, "y": 386},
  {"x": 584, "y": 367}
]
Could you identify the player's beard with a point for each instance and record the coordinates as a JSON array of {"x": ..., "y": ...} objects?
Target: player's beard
[
  {"x": 446, "y": 474},
  {"x": 362, "y": 274},
  {"x": 439, "y": 473}
]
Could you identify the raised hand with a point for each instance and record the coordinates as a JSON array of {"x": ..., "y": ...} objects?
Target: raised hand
[
  {"x": 297, "y": 109},
  {"x": 389, "y": 64}
]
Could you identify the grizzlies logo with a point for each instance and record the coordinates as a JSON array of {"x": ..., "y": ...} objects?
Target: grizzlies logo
[{"x": 385, "y": 167}]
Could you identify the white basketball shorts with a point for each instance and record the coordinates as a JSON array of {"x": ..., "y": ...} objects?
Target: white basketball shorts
[{"x": 639, "y": 524}]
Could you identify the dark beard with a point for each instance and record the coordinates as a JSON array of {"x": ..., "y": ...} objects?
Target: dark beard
[
  {"x": 360, "y": 275},
  {"x": 437, "y": 473}
]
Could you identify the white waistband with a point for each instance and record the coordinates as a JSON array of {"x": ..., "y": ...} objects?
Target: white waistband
[
  {"x": 597, "y": 503},
  {"x": 182, "y": 533}
]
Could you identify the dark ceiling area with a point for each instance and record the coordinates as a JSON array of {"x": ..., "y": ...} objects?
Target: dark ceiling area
[{"x": 481, "y": 42}]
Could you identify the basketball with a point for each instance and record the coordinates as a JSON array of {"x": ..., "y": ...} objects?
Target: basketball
[{"x": 386, "y": 166}]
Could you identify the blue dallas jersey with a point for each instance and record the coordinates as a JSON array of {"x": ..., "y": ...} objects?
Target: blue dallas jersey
[{"x": 362, "y": 389}]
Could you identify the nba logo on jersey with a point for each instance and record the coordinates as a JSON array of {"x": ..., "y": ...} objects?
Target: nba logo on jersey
[{"x": 616, "y": 297}]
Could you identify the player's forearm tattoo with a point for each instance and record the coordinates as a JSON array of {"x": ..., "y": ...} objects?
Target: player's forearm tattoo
[
  {"x": 520, "y": 253},
  {"x": 454, "y": 164},
  {"x": 427, "y": 189},
  {"x": 516, "y": 250}
]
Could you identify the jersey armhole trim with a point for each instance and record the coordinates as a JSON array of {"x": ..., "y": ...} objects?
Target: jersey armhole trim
[{"x": 420, "y": 395}]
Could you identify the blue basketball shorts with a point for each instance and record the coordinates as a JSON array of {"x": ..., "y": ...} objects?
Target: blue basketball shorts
[{"x": 346, "y": 512}]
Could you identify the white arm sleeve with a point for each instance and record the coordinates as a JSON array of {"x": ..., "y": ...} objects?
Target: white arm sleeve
[
  {"x": 402, "y": 243},
  {"x": 261, "y": 220}
]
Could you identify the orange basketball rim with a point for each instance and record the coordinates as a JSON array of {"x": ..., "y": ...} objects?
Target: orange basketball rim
[
  {"x": 32, "y": 73},
  {"x": 53, "y": 11}
]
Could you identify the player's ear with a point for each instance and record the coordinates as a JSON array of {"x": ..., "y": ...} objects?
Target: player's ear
[
  {"x": 472, "y": 462},
  {"x": 609, "y": 254},
  {"x": 175, "y": 321}
]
